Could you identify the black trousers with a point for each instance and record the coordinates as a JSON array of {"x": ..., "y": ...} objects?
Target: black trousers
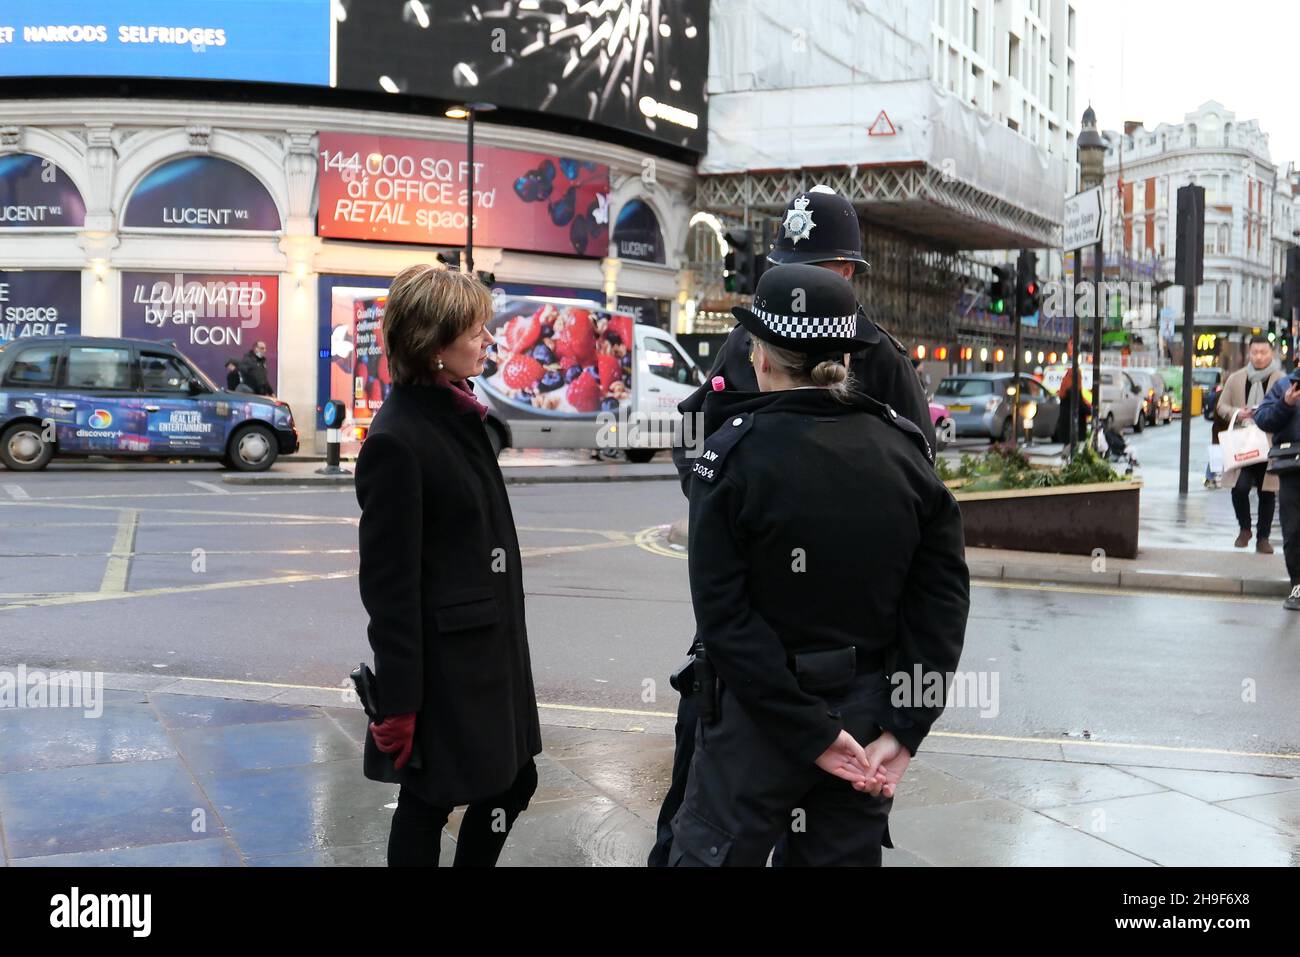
[
  {"x": 745, "y": 793},
  {"x": 416, "y": 836},
  {"x": 1253, "y": 477},
  {"x": 1289, "y": 500}
]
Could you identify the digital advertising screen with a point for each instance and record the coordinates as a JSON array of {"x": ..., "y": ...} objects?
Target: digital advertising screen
[
  {"x": 639, "y": 66},
  {"x": 266, "y": 41},
  {"x": 414, "y": 191}
]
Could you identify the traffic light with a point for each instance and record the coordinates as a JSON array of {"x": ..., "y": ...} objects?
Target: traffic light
[
  {"x": 1029, "y": 293},
  {"x": 739, "y": 274},
  {"x": 1001, "y": 289},
  {"x": 1279, "y": 300}
]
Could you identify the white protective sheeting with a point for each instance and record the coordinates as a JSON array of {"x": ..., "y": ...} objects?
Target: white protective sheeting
[{"x": 781, "y": 100}]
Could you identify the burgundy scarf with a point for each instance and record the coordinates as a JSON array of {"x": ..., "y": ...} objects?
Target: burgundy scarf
[{"x": 462, "y": 396}]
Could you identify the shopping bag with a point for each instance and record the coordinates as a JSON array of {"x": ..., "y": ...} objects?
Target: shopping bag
[
  {"x": 1216, "y": 459},
  {"x": 1244, "y": 446}
]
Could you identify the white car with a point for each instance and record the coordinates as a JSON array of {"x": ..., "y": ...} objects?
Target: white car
[{"x": 1121, "y": 396}]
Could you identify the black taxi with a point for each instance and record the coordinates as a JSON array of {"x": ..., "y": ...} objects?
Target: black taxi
[{"x": 131, "y": 398}]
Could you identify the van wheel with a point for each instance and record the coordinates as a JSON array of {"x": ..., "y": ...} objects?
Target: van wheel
[
  {"x": 640, "y": 456},
  {"x": 1140, "y": 423},
  {"x": 252, "y": 449},
  {"x": 23, "y": 448}
]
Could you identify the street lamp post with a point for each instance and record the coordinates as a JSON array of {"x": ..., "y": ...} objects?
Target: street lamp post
[
  {"x": 1092, "y": 159},
  {"x": 467, "y": 113}
]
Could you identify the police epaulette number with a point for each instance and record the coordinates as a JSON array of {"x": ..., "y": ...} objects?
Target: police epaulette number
[
  {"x": 912, "y": 429},
  {"x": 709, "y": 465}
]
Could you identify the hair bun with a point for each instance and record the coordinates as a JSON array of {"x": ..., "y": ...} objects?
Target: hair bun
[{"x": 829, "y": 372}]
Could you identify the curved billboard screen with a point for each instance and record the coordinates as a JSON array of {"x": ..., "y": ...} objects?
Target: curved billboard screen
[{"x": 634, "y": 65}]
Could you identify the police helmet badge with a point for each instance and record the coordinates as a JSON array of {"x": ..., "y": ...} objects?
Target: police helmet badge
[{"x": 798, "y": 221}]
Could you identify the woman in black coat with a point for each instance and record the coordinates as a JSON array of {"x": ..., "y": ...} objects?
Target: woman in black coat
[{"x": 442, "y": 582}]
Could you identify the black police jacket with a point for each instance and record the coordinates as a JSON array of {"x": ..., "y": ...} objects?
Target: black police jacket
[
  {"x": 442, "y": 582},
  {"x": 815, "y": 525},
  {"x": 881, "y": 371}
]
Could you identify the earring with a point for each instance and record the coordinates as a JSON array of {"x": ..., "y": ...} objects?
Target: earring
[{"x": 440, "y": 365}]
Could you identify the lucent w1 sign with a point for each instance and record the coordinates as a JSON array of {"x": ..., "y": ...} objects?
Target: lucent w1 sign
[{"x": 1083, "y": 220}]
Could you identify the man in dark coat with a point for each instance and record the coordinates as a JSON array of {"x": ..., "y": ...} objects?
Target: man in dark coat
[
  {"x": 821, "y": 228},
  {"x": 253, "y": 369},
  {"x": 804, "y": 599}
]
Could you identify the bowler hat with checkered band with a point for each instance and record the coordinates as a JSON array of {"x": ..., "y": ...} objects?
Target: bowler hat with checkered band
[{"x": 806, "y": 309}]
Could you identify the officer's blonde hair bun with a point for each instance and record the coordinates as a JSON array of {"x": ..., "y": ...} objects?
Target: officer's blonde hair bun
[{"x": 831, "y": 375}]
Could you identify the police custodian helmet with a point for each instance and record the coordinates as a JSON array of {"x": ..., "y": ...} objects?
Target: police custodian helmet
[
  {"x": 819, "y": 226},
  {"x": 806, "y": 309}
]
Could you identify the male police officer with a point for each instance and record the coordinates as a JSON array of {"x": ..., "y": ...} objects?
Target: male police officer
[
  {"x": 803, "y": 597},
  {"x": 821, "y": 228}
]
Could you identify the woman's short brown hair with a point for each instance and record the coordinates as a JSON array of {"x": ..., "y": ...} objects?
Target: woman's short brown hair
[{"x": 428, "y": 309}]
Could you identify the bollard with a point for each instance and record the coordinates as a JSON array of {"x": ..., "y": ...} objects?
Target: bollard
[{"x": 333, "y": 415}]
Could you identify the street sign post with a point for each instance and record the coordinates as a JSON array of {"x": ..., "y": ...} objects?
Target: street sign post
[
  {"x": 1083, "y": 220},
  {"x": 1189, "y": 272}
]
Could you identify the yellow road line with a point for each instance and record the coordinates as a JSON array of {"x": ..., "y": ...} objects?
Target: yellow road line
[
  {"x": 1121, "y": 592},
  {"x": 119, "y": 559},
  {"x": 956, "y": 735},
  {"x": 81, "y": 598},
  {"x": 319, "y": 519},
  {"x": 649, "y": 540},
  {"x": 1119, "y": 745}
]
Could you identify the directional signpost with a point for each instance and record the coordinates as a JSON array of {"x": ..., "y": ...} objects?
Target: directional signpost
[
  {"x": 1083, "y": 219},
  {"x": 1082, "y": 227}
]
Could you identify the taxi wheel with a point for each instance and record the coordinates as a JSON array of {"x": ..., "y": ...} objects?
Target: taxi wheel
[
  {"x": 252, "y": 449},
  {"x": 24, "y": 449},
  {"x": 640, "y": 456}
]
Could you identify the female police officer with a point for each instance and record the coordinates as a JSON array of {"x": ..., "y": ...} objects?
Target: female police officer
[{"x": 823, "y": 550}]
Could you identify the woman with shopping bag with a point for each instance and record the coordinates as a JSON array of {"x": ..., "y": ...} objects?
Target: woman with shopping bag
[{"x": 1245, "y": 445}]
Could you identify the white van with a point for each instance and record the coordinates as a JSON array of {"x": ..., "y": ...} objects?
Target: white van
[
  {"x": 1121, "y": 397},
  {"x": 565, "y": 374}
]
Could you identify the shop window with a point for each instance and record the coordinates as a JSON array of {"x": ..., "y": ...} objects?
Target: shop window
[{"x": 95, "y": 368}]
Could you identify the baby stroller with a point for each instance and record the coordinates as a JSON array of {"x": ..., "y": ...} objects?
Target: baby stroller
[{"x": 1111, "y": 446}]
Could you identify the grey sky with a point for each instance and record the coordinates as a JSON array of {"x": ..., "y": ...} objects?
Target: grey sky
[{"x": 1154, "y": 60}]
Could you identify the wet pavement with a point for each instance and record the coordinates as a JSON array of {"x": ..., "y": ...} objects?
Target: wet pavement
[{"x": 161, "y": 778}]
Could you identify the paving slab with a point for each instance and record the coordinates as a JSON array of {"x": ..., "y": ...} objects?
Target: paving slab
[
  {"x": 997, "y": 833},
  {"x": 102, "y": 806},
  {"x": 1174, "y": 830}
]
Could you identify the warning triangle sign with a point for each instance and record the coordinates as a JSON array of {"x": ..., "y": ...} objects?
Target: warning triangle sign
[{"x": 881, "y": 126}]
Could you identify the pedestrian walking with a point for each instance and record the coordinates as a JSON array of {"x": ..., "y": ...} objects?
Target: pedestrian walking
[
  {"x": 820, "y": 228},
  {"x": 800, "y": 737},
  {"x": 252, "y": 368},
  {"x": 441, "y": 580},
  {"x": 1065, "y": 395},
  {"x": 1241, "y": 396}
]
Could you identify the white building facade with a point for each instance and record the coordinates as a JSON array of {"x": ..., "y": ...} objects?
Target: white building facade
[{"x": 1014, "y": 60}]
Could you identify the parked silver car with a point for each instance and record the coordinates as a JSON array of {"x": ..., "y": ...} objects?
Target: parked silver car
[{"x": 978, "y": 404}]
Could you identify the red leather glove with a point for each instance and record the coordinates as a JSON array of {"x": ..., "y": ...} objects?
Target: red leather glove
[{"x": 395, "y": 734}]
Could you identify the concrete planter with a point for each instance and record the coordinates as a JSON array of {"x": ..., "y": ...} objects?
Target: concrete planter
[{"x": 1070, "y": 520}]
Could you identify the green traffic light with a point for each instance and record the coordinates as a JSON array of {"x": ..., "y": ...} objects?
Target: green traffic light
[{"x": 999, "y": 306}]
